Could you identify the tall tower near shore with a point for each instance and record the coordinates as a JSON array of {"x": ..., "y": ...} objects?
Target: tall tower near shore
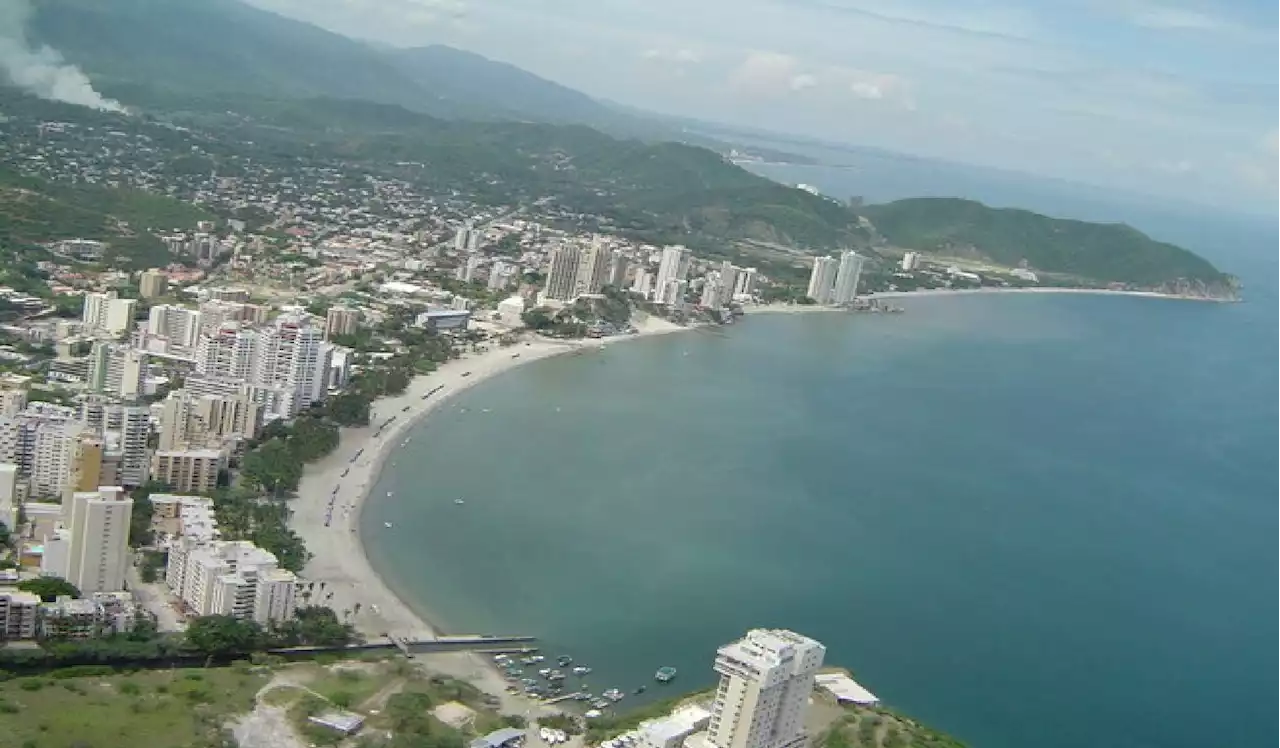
[
  {"x": 766, "y": 678},
  {"x": 673, "y": 268},
  {"x": 847, "y": 278},
  {"x": 562, "y": 273},
  {"x": 822, "y": 280}
]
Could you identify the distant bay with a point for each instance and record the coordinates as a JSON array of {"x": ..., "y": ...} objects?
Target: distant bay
[{"x": 1027, "y": 520}]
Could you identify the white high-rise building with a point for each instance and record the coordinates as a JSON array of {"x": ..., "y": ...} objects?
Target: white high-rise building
[
  {"x": 179, "y": 326},
  {"x": 910, "y": 261},
  {"x": 190, "y": 421},
  {"x": 746, "y": 282},
  {"x": 125, "y": 431},
  {"x": 235, "y": 578},
  {"x": 728, "y": 281},
  {"x": 105, "y": 312},
  {"x": 822, "y": 280},
  {"x": 562, "y": 273},
  {"x": 711, "y": 297},
  {"x": 673, "y": 267},
  {"x": 501, "y": 275},
  {"x": 117, "y": 370},
  {"x": 9, "y": 497},
  {"x": 846, "y": 289},
  {"x": 98, "y": 551},
  {"x": 462, "y": 239},
  {"x": 340, "y": 320},
  {"x": 227, "y": 352},
  {"x": 766, "y": 679},
  {"x": 593, "y": 268},
  {"x": 12, "y": 402},
  {"x": 293, "y": 356},
  {"x": 618, "y": 266},
  {"x": 643, "y": 282},
  {"x": 41, "y": 441},
  {"x": 50, "y": 455},
  {"x": 467, "y": 271}
]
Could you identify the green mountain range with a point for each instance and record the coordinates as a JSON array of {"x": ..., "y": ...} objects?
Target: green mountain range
[
  {"x": 501, "y": 132},
  {"x": 214, "y": 47}
]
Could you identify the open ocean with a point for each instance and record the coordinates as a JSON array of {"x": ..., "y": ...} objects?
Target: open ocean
[{"x": 1026, "y": 520}]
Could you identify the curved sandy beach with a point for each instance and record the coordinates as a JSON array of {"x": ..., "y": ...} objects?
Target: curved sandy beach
[{"x": 342, "y": 575}]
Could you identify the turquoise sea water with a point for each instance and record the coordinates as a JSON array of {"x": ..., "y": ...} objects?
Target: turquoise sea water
[
  {"x": 1031, "y": 521},
  {"x": 1028, "y": 520}
]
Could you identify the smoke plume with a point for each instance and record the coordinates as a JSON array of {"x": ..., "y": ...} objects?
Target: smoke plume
[{"x": 42, "y": 70}]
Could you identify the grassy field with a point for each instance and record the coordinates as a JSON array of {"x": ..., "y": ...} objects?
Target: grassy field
[{"x": 154, "y": 709}]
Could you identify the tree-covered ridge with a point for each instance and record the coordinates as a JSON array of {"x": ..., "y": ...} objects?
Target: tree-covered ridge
[
  {"x": 33, "y": 211},
  {"x": 1009, "y": 236}
]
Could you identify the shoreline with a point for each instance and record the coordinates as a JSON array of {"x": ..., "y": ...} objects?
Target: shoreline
[
  {"x": 785, "y": 308},
  {"x": 339, "y": 567},
  {"x": 338, "y": 559}
]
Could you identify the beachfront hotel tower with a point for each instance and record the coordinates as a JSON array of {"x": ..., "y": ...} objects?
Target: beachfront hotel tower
[
  {"x": 847, "y": 277},
  {"x": 766, "y": 678},
  {"x": 822, "y": 280},
  {"x": 562, "y": 273},
  {"x": 672, "y": 269}
]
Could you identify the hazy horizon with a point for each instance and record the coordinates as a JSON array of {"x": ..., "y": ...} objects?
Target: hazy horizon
[{"x": 1165, "y": 99}]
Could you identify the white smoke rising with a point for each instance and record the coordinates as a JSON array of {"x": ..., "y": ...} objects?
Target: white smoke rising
[{"x": 42, "y": 71}]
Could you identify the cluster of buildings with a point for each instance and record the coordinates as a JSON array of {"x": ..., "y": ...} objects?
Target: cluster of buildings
[
  {"x": 834, "y": 281},
  {"x": 211, "y": 576},
  {"x": 23, "y": 616}
]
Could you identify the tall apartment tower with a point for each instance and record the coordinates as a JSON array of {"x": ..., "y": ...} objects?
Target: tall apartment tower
[
  {"x": 341, "y": 321},
  {"x": 177, "y": 325},
  {"x": 294, "y": 356},
  {"x": 618, "y": 266},
  {"x": 562, "y": 274},
  {"x": 673, "y": 267},
  {"x": 593, "y": 268},
  {"x": 98, "y": 553},
  {"x": 152, "y": 283},
  {"x": 116, "y": 369},
  {"x": 846, "y": 289},
  {"x": 822, "y": 281},
  {"x": 766, "y": 679}
]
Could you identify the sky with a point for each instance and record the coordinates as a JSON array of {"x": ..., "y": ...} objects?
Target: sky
[{"x": 1175, "y": 99}]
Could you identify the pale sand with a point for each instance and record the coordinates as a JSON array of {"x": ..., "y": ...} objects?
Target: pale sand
[{"x": 338, "y": 560}]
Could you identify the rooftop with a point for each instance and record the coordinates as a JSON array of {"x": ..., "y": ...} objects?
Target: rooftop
[{"x": 845, "y": 689}]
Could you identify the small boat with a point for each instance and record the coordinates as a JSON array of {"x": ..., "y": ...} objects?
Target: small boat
[
  {"x": 581, "y": 670},
  {"x": 555, "y": 676},
  {"x": 386, "y": 524},
  {"x": 459, "y": 501},
  {"x": 600, "y": 704},
  {"x": 564, "y": 660},
  {"x": 390, "y": 493},
  {"x": 544, "y": 672},
  {"x": 640, "y": 690},
  {"x": 665, "y": 674},
  {"x": 613, "y": 694}
]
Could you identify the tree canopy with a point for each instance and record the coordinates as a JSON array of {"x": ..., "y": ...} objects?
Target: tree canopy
[{"x": 49, "y": 588}]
